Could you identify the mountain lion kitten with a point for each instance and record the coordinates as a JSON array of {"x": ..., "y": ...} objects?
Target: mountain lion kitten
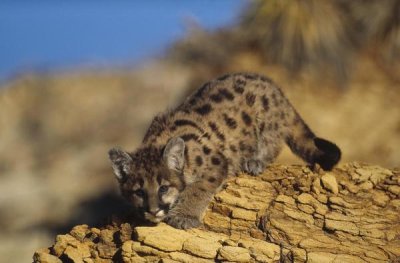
[{"x": 235, "y": 123}]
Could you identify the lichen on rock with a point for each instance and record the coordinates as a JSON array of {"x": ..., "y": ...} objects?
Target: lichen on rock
[{"x": 289, "y": 214}]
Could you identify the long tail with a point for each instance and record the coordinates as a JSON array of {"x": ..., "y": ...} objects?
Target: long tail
[{"x": 303, "y": 142}]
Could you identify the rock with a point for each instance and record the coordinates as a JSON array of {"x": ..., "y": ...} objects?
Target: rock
[
  {"x": 107, "y": 236},
  {"x": 259, "y": 248},
  {"x": 318, "y": 257},
  {"x": 329, "y": 182},
  {"x": 62, "y": 242},
  {"x": 244, "y": 214},
  {"x": 234, "y": 254},
  {"x": 275, "y": 216},
  {"x": 365, "y": 174},
  {"x": 285, "y": 199},
  {"x": 73, "y": 254},
  {"x": 394, "y": 189},
  {"x": 348, "y": 227},
  {"x": 299, "y": 255},
  {"x": 298, "y": 215},
  {"x": 45, "y": 257},
  {"x": 368, "y": 185},
  {"x": 162, "y": 237},
  {"x": 201, "y": 247},
  {"x": 337, "y": 200},
  {"x": 316, "y": 186},
  {"x": 186, "y": 258},
  {"x": 79, "y": 232}
]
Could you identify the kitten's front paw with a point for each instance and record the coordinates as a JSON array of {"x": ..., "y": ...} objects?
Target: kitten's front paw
[
  {"x": 182, "y": 221},
  {"x": 253, "y": 166}
]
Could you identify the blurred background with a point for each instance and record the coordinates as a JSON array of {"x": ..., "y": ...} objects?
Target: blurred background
[{"x": 79, "y": 77}]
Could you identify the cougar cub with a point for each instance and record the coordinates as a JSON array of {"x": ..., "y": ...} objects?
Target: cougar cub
[{"x": 235, "y": 123}]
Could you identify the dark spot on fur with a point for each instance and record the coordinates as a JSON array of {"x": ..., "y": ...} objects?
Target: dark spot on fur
[
  {"x": 250, "y": 99},
  {"x": 233, "y": 148},
  {"x": 193, "y": 101},
  {"x": 190, "y": 136},
  {"x": 246, "y": 132},
  {"x": 212, "y": 179},
  {"x": 186, "y": 153},
  {"x": 199, "y": 161},
  {"x": 238, "y": 87},
  {"x": 276, "y": 126},
  {"x": 265, "y": 103},
  {"x": 246, "y": 118},
  {"x": 251, "y": 76},
  {"x": 157, "y": 126},
  {"x": 182, "y": 122},
  {"x": 216, "y": 98},
  {"x": 242, "y": 146},
  {"x": 273, "y": 95},
  {"x": 245, "y": 147},
  {"x": 159, "y": 178},
  {"x": 203, "y": 110},
  {"x": 227, "y": 94},
  {"x": 146, "y": 157},
  {"x": 206, "y": 150},
  {"x": 206, "y": 135},
  {"x": 201, "y": 90},
  {"x": 230, "y": 122},
  {"x": 224, "y": 77},
  {"x": 216, "y": 131},
  {"x": 215, "y": 160},
  {"x": 202, "y": 189},
  {"x": 262, "y": 127},
  {"x": 266, "y": 79},
  {"x": 185, "y": 110}
]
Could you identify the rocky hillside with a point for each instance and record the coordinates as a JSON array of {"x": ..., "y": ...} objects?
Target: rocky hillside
[{"x": 288, "y": 214}]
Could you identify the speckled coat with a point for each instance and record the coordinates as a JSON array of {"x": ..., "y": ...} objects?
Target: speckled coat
[{"x": 235, "y": 123}]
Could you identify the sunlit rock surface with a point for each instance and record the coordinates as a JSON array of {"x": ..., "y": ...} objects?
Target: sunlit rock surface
[{"x": 289, "y": 213}]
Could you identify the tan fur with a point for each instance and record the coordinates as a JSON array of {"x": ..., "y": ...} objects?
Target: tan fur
[{"x": 232, "y": 124}]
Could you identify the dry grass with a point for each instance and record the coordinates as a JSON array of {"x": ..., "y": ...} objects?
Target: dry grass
[
  {"x": 380, "y": 23},
  {"x": 304, "y": 34}
]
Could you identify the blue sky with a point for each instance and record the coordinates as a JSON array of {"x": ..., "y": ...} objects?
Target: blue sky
[{"x": 61, "y": 34}]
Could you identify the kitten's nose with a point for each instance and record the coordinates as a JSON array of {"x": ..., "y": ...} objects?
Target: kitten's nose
[{"x": 154, "y": 211}]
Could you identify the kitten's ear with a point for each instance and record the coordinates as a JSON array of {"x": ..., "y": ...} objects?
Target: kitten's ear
[
  {"x": 174, "y": 154},
  {"x": 121, "y": 163}
]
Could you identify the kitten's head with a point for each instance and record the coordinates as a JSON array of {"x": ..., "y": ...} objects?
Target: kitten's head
[{"x": 151, "y": 178}]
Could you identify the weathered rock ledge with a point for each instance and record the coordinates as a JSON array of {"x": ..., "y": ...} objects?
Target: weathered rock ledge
[{"x": 288, "y": 214}]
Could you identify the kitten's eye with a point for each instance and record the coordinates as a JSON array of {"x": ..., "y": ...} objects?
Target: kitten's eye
[
  {"x": 163, "y": 189},
  {"x": 139, "y": 193}
]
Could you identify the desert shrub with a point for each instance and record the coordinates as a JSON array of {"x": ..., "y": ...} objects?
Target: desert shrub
[
  {"x": 300, "y": 34},
  {"x": 380, "y": 20}
]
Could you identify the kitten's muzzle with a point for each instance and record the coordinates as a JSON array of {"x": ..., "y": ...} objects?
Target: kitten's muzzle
[{"x": 155, "y": 216}]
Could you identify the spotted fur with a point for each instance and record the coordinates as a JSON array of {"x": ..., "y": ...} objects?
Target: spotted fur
[{"x": 235, "y": 123}]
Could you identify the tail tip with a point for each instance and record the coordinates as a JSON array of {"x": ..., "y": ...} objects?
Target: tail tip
[{"x": 330, "y": 153}]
